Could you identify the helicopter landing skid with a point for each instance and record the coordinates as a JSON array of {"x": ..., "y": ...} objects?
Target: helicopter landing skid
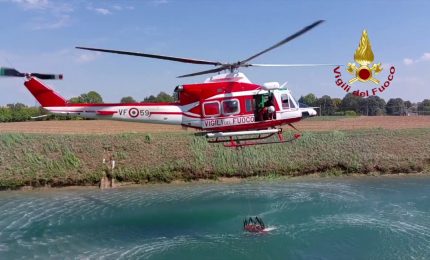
[{"x": 236, "y": 139}]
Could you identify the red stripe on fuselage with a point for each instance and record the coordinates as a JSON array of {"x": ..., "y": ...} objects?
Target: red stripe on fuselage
[
  {"x": 106, "y": 113},
  {"x": 122, "y": 104}
]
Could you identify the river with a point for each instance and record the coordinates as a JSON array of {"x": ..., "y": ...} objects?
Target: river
[{"x": 337, "y": 218}]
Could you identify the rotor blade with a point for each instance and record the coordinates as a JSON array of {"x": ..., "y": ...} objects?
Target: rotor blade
[
  {"x": 289, "y": 38},
  {"x": 10, "y": 72},
  {"x": 46, "y": 76},
  {"x": 288, "y": 65},
  {"x": 154, "y": 56},
  {"x": 204, "y": 72}
]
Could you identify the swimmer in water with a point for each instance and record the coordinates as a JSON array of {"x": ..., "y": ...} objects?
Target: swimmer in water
[{"x": 254, "y": 225}]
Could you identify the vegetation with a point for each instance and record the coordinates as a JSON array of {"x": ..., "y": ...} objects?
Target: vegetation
[
  {"x": 128, "y": 99},
  {"x": 161, "y": 97},
  {"x": 90, "y": 97},
  {"x": 58, "y": 160},
  {"x": 370, "y": 106},
  {"x": 18, "y": 112}
]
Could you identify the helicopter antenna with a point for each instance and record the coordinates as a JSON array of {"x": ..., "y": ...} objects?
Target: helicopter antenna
[{"x": 222, "y": 66}]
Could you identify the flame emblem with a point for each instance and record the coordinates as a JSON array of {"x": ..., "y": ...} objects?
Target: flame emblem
[{"x": 364, "y": 56}]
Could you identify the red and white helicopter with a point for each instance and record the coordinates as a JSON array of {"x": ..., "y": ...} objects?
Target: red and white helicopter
[{"x": 228, "y": 107}]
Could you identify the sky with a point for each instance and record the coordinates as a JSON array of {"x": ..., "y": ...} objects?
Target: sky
[{"x": 41, "y": 35}]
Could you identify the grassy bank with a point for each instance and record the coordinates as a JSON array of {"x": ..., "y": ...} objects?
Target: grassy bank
[{"x": 58, "y": 160}]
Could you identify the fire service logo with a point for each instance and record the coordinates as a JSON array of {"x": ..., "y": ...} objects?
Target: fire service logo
[{"x": 364, "y": 72}]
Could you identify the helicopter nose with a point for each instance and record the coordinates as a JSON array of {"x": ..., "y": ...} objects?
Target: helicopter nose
[{"x": 308, "y": 112}]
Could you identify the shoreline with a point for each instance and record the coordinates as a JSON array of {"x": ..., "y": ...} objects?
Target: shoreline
[{"x": 222, "y": 181}]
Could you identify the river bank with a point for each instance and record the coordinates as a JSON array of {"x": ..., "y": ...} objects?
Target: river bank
[
  {"x": 42, "y": 160},
  {"x": 314, "y": 177}
]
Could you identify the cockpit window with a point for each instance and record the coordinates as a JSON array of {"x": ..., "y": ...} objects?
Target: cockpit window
[
  {"x": 293, "y": 102},
  {"x": 285, "y": 101},
  {"x": 211, "y": 108},
  {"x": 230, "y": 107}
]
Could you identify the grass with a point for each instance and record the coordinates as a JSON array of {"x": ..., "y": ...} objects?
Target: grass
[
  {"x": 57, "y": 160},
  {"x": 329, "y": 118}
]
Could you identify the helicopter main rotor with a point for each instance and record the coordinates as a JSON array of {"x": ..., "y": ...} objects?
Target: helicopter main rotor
[{"x": 220, "y": 65}]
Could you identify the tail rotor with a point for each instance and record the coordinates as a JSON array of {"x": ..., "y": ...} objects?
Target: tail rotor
[{"x": 11, "y": 72}]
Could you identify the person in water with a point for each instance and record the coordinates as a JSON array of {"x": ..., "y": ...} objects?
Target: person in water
[{"x": 253, "y": 224}]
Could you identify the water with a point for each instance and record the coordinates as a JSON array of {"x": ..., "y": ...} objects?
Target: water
[{"x": 343, "y": 218}]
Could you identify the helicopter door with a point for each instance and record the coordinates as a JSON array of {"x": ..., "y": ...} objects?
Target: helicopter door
[{"x": 262, "y": 103}]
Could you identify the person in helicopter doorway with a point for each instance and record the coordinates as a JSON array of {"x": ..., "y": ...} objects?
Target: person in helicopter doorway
[
  {"x": 269, "y": 109},
  {"x": 254, "y": 225}
]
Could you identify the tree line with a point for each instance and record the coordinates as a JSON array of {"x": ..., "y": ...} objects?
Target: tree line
[
  {"x": 94, "y": 97},
  {"x": 370, "y": 106},
  {"x": 349, "y": 105}
]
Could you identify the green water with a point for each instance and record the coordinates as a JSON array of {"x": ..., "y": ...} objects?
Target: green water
[{"x": 344, "y": 218}]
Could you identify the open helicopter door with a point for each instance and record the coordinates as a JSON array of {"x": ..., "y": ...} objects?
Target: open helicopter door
[{"x": 262, "y": 102}]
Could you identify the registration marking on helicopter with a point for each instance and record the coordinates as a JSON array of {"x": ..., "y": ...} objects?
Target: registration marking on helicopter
[
  {"x": 134, "y": 112},
  {"x": 214, "y": 122}
]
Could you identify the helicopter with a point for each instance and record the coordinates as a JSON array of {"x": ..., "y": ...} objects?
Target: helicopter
[{"x": 227, "y": 107}]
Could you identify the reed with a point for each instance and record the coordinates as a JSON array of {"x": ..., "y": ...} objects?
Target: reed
[{"x": 58, "y": 160}]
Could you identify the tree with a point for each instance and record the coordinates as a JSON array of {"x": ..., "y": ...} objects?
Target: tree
[
  {"x": 91, "y": 97},
  {"x": 424, "y": 107},
  {"x": 150, "y": 99},
  {"x": 16, "y": 106},
  {"x": 375, "y": 106},
  {"x": 408, "y": 104},
  {"x": 128, "y": 99},
  {"x": 161, "y": 97},
  {"x": 395, "y": 106},
  {"x": 164, "y": 97},
  {"x": 337, "y": 104},
  {"x": 309, "y": 100},
  {"x": 351, "y": 102},
  {"x": 326, "y": 104}
]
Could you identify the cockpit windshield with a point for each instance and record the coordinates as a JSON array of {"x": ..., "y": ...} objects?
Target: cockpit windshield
[
  {"x": 293, "y": 101},
  {"x": 287, "y": 101}
]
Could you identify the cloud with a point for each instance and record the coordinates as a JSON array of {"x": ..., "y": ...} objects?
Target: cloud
[
  {"x": 56, "y": 22},
  {"x": 55, "y": 7},
  {"x": 87, "y": 57},
  {"x": 408, "y": 61},
  {"x": 118, "y": 7},
  {"x": 102, "y": 11},
  {"x": 425, "y": 57},
  {"x": 122, "y": 8},
  {"x": 108, "y": 11},
  {"x": 48, "y": 14},
  {"x": 32, "y": 4},
  {"x": 159, "y": 2}
]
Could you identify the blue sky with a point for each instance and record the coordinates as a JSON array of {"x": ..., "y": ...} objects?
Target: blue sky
[{"x": 40, "y": 36}]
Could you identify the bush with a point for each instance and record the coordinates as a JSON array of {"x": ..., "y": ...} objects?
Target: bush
[
  {"x": 340, "y": 113},
  {"x": 350, "y": 113}
]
